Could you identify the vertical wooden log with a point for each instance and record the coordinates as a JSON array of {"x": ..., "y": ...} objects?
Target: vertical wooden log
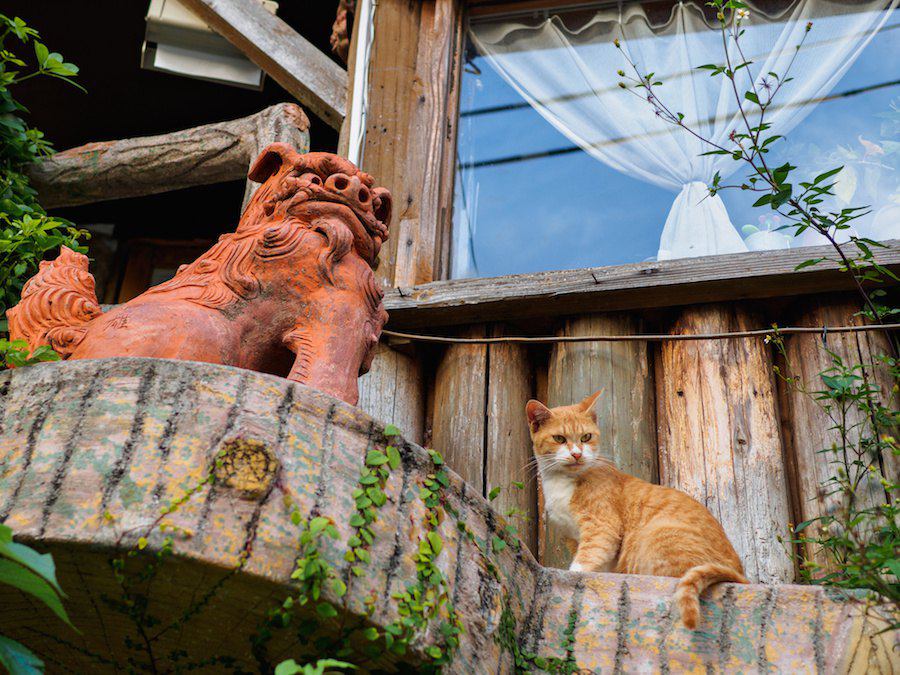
[
  {"x": 625, "y": 412},
  {"x": 460, "y": 393},
  {"x": 719, "y": 435},
  {"x": 411, "y": 115},
  {"x": 809, "y": 429},
  {"x": 508, "y": 444},
  {"x": 393, "y": 391}
]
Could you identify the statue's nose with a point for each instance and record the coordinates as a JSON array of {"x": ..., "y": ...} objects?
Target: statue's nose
[{"x": 350, "y": 188}]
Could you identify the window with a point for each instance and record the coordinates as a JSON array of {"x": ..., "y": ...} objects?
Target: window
[{"x": 558, "y": 168}]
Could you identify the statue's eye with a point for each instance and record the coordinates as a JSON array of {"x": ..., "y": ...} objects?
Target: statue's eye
[
  {"x": 559, "y": 439},
  {"x": 585, "y": 438}
]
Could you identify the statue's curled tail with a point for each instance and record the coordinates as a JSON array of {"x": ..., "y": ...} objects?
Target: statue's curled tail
[{"x": 57, "y": 304}]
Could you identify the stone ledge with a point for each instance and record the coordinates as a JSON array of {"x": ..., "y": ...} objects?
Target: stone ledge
[{"x": 130, "y": 435}]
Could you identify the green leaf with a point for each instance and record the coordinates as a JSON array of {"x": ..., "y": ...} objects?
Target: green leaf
[
  {"x": 370, "y": 633},
  {"x": 393, "y": 456},
  {"x": 40, "y": 564},
  {"x": 435, "y": 541},
  {"x": 18, "y": 659},
  {"x": 326, "y": 610},
  {"x": 828, "y": 174},
  {"x": 318, "y": 524},
  {"x": 497, "y": 544},
  {"x": 376, "y": 458},
  {"x": 492, "y": 495},
  {"x": 25, "y": 580},
  {"x": 391, "y": 430},
  {"x": 750, "y": 96}
]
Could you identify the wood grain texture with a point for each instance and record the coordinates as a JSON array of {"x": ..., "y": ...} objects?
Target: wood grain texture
[
  {"x": 132, "y": 167},
  {"x": 810, "y": 428},
  {"x": 286, "y": 56},
  {"x": 719, "y": 436},
  {"x": 625, "y": 411},
  {"x": 134, "y": 434},
  {"x": 460, "y": 397},
  {"x": 763, "y": 274},
  {"x": 410, "y": 129},
  {"x": 393, "y": 391},
  {"x": 508, "y": 443}
]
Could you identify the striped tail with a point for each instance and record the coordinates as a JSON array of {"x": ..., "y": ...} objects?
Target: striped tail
[
  {"x": 56, "y": 305},
  {"x": 694, "y": 582}
]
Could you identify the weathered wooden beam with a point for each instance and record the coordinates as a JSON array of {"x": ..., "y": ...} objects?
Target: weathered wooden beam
[
  {"x": 641, "y": 285},
  {"x": 290, "y": 59},
  {"x": 393, "y": 391},
  {"x": 719, "y": 435},
  {"x": 459, "y": 405},
  {"x": 133, "y": 167},
  {"x": 810, "y": 431},
  {"x": 508, "y": 443},
  {"x": 413, "y": 95}
]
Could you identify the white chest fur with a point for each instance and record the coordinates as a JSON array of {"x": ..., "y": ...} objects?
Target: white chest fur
[{"x": 558, "y": 491}]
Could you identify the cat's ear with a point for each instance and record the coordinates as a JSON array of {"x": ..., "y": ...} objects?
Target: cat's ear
[
  {"x": 587, "y": 405},
  {"x": 537, "y": 414}
]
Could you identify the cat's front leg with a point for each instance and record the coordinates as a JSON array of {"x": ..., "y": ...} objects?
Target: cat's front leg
[{"x": 598, "y": 548}]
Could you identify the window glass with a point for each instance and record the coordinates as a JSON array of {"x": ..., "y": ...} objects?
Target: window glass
[{"x": 558, "y": 168}]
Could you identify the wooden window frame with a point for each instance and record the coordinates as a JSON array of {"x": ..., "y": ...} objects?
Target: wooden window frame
[{"x": 420, "y": 294}]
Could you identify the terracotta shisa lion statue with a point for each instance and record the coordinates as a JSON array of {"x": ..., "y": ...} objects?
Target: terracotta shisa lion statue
[{"x": 291, "y": 292}]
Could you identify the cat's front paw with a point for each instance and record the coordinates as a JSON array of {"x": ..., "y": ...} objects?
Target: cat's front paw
[{"x": 576, "y": 567}]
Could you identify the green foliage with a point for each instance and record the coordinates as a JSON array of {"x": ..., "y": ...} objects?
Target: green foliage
[
  {"x": 35, "y": 574},
  {"x": 14, "y": 354},
  {"x": 26, "y": 232},
  {"x": 291, "y": 667},
  {"x": 858, "y": 537}
]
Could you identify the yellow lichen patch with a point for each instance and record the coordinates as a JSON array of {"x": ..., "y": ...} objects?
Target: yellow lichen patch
[{"x": 246, "y": 465}]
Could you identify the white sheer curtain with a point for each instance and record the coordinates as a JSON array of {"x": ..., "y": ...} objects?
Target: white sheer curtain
[{"x": 569, "y": 77}]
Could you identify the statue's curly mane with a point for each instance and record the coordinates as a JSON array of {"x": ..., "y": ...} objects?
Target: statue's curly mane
[{"x": 227, "y": 272}]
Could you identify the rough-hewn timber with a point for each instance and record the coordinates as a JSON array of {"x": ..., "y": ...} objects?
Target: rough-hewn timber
[
  {"x": 131, "y": 435},
  {"x": 811, "y": 429},
  {"x": 133, "y": 167},
  {"x": 719, "y": 437},
  {"x": 286, "y": 56},
  {"x": 667, "y": 283}
]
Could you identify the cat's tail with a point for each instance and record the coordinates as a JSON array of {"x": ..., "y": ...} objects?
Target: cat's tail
[{"x": 694, "y": 582}]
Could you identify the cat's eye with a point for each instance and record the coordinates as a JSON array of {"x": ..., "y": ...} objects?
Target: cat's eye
[
  {"x": 585, "y": 438},
  {"x": 559, "y": 439}
]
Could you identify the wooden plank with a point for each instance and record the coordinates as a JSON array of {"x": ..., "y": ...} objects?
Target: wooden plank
[
  {"x": 668, "y": 283},
  {"x": 625, "y": 412},
  {"x": 508, "y": 444},
  {"x": 808, "y": 428},
  {"x": 393, "y": 391},
  {"x": 719, "y": 435},
  {"x": 458, "y": 430},
  {"x": 286, "y": 56},
  {"x": 410, "y": 129},
  {"x": 133, "y": 167}
]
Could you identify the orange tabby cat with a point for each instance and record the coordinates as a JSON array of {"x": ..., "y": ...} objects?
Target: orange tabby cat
[{"x": 618, "y": 523}]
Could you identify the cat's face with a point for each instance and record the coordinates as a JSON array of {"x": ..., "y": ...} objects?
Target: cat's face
[{"x": 566, "y": 439}]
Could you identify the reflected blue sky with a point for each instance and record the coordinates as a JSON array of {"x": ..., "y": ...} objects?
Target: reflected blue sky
[{"x": 571, "y": 211}]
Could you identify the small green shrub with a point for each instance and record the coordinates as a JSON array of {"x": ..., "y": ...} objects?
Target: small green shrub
[{"x": 27, "y": 233}]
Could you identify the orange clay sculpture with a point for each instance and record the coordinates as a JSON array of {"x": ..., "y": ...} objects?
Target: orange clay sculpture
[{"x": 292, "y": 292}]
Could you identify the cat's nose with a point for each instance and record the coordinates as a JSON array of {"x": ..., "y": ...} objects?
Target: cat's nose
[{"x": 576, "y": 454}]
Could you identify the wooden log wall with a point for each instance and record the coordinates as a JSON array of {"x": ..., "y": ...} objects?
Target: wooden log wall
[
  {"x": 708, "y": 417},
  {"x": 411, "y": 115},
  {"x": 810, "y": 428}
]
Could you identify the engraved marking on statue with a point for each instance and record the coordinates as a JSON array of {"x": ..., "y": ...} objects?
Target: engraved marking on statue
[{"x": 291, "y": 292}]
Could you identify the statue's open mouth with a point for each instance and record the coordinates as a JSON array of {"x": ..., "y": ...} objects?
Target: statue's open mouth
[{"x": 368, "y": 231}]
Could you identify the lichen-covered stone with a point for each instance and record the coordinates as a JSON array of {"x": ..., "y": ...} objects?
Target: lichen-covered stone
[{"x": 126, "y": 437}]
